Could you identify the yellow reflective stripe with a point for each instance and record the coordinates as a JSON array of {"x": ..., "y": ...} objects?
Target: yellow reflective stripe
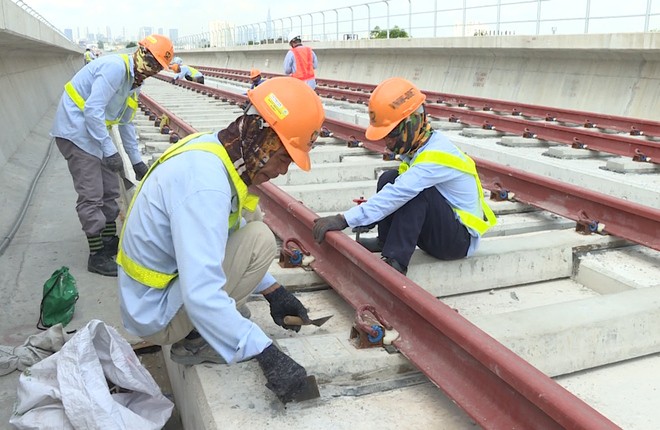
[
  {"x": 467, "y": 166},
  {"x": 145, "y": 276},
  {"x": 131, "y": 101},
  {"x": 193, "y": 71},
  {"x": 153, "y": 278},
  {"x": 74, "y": 95}
]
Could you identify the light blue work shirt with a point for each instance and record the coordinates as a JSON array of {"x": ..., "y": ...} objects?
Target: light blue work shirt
[
  {"x": 460, "y": 189},
  {"x": 105, "y": 85},
  {"x": 179, "y": 221},
  {"x": 290, "y": 66},
  {"x": 186, "y": 71}
]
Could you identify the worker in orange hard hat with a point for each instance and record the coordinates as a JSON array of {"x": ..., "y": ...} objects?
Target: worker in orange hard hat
[
  {"x": 434, "y": 201},
  {"x": 192, "y": 250},
  {"x": 255, "y": 78},
  {"x": 102, "y": 94}
]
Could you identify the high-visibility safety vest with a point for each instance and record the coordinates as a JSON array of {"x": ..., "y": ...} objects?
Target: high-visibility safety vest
[
  {"x": 304, "y": 63},
  {"x": 153, "y": 278},
  {"x": 472, "y": 221},
  {"x": 88, "y": 56},
  {"x": 131, "y": 102},
  {"x": 193, "y": 72}
]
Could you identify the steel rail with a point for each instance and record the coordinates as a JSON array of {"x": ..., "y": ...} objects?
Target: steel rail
[
  {"x": 634, "y": 126},
  {"x": 599, "y": 212},
  {"x": 493, "y": 385}
]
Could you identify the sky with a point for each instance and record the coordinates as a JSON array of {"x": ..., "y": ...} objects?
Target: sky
[{"x": 193, "y": 16}]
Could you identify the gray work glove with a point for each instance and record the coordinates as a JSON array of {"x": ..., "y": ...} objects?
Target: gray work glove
[
  {"x": 283, "y": 303},
  {"x": 286, "y": 378},
  {"x": 326, "y": 224},
  {"x": 140, "y": 170},
  {"x": 113, "y": 162}
]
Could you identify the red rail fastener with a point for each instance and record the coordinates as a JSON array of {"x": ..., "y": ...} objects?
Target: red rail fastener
[
  {"x": 292, "y": 256},
  {"x": 369, "y": 327}
]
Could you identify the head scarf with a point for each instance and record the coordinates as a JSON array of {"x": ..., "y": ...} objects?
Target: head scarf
[
  {"x": 411, "y": 133},
  {"x": 250, "y": 142},
  {"x": 145, "y": 65}
]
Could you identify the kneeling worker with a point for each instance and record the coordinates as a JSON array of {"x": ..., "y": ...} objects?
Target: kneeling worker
[
  {"x": 188, "y": 262},
  {"x": 187, "y": 72}
]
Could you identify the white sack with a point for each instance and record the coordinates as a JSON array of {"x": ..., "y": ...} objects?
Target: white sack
[{"x": 68, "y": 390}]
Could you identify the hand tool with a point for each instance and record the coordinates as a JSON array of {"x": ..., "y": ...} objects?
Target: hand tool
[
  {"x": 309, "y": 392},
  {"x": 296, "y": 320}
]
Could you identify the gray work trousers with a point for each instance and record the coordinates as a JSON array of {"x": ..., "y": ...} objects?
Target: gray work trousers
[{"x": 96, "y": 185}]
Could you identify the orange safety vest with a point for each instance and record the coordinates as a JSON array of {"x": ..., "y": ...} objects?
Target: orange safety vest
[{"x": 304, "y": 63}]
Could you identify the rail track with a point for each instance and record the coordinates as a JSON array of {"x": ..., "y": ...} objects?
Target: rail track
[{"x": 527, "y": 288}]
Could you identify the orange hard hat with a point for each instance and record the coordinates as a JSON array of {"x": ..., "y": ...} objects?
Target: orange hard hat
[
  {"x": 294, "y": 111},
  {"x": 254, "y": 73},
  {"x": 160, "y": 47},
  {"x": 175, "y": 68},
  {"x": 392, "y": 101}
]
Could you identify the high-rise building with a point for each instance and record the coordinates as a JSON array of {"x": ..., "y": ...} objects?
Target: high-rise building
[
  {"x": 221, "y": 33},
  {"x": 68, "y": 33},
  {"x": 144, "y": 32},
  {"x": 160, "y": 31},
  {"x": 174, "y": 34},
  {"x": 108, "y": 33}
]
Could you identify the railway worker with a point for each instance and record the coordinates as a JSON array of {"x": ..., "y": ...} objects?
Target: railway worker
[
  {"x": 187, "y": 72},
  {"x": 89, "y": 56},
  {"x": 102, "y": 94},
  {"x": 300, "y": 62},
  {"x": 255, "y": 78},
  {"x": 434, "y": 200},
  {"x": 186, "y": 266}
]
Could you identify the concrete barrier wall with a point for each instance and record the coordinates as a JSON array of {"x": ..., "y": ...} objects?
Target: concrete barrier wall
[
  {"x": 618, "y": 74},
  {"x": 35, "y": 63}
]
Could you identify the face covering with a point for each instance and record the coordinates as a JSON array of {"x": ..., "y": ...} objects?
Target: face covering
[
  {"x": 411, "y": 133},
  {"x": 250, "y": 143},
  {"x": 145, "y": 65}
]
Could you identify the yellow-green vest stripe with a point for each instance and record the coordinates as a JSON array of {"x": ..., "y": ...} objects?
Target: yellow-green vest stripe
[
  {"x": 153, "y": 278},
  {"x": 131, "y": 102},
  {"x": 467, "y": 166}
]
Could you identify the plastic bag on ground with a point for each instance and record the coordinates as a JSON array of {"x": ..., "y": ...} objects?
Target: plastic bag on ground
[
  {"x": 34, "y": 349},
  {"x": 70, "y": 389}
]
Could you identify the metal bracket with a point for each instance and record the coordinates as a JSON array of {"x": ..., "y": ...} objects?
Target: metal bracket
[{"x": 368, "y": 328}]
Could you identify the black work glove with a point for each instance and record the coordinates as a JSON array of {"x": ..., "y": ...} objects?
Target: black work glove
[
  {"x": 114, "y": 162},
  {"x": 326, "y": 224},
  {"x": 286, "y": 378},
  {"x": 140, "y": 170},
  {"x": 283, "y": 303}
]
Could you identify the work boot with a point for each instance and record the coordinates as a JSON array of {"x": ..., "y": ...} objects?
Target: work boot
[
  {"x": 110, "y": 244},
  {"x": 373, "y": 244},
  {"x": 190, "y": 352},
  {"x": 396, "y": 265},
  {"x": 103, "y": 263}
]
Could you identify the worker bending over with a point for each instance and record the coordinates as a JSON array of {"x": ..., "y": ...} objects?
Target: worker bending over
[{"x": 187, "y": 72}]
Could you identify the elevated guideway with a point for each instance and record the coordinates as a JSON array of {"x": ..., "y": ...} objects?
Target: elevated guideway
[{"x": 616, "y": 74}]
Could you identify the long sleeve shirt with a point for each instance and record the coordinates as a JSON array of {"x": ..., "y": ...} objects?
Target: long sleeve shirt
[
  {"x": 187, "y": 71},
  {"x": 105, "y": 85},
  {"x": 290, "y": 66},
  {"x": 458, "y": 188},
  {"x": 179, "y": 221}
]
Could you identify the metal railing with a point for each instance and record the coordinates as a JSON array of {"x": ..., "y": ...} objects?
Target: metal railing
[
  {"x": 26, "y": 8},
  {"x": 424, "y": 18}
]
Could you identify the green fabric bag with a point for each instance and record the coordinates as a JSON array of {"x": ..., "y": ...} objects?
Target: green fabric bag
[{"x": 59, "y": 299}]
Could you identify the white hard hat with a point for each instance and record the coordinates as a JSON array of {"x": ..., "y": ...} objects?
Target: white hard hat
[
  {"x": 293, "y": 35},
  {"x": 177, "y": 60}
]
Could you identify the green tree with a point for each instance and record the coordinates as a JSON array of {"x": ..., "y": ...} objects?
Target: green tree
[
  {"x": 395, "y": 33},
  {"x": 100, "y": 44},
  {"x": 131, "y": 44}
]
